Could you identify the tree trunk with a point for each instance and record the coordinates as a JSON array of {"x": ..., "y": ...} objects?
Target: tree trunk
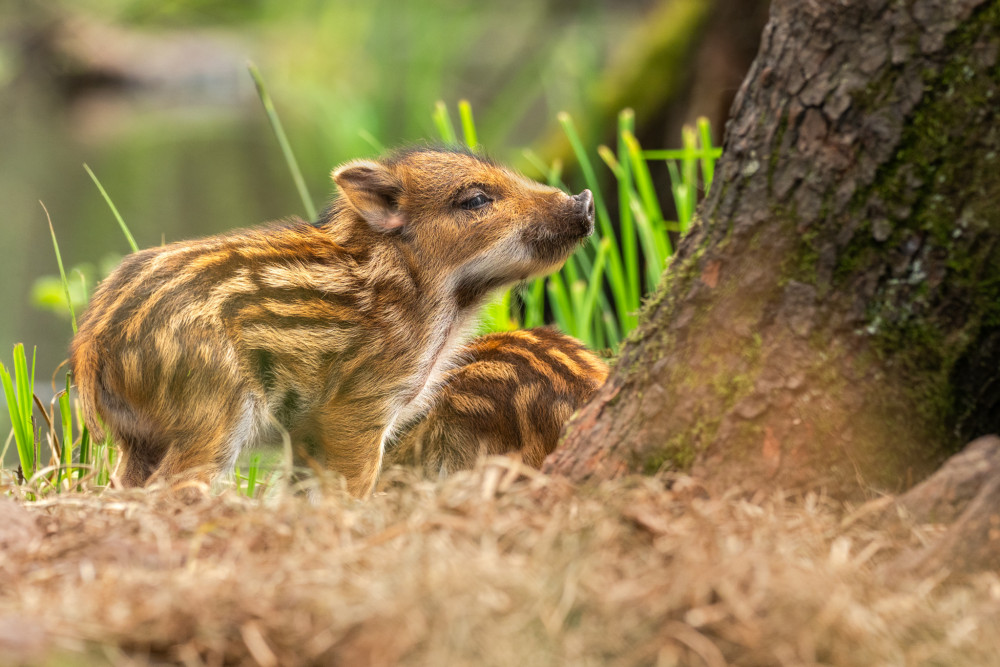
[{"x": 834, "y": 320}]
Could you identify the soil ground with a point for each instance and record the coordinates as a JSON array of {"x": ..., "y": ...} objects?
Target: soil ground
[{"x": 499, "y": 566}]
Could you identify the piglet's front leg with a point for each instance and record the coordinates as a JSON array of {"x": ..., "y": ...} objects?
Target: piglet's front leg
[{"x": 347, "y": 441}]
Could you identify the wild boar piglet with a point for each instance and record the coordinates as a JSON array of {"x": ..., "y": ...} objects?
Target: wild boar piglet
[
  {"x": 338, "y": 330},
  {"x": 512, "y": 394}
]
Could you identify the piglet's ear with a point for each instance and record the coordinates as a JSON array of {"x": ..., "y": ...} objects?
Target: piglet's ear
[{"x": 371, "y": 190}]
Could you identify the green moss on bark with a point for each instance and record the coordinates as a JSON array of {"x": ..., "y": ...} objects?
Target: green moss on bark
[
  {"x": 933, "y": 201},
  {"x": 866, "y": 286}
]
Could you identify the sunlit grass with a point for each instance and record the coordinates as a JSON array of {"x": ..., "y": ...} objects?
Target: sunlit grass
[{"x": 114, "y": 209}]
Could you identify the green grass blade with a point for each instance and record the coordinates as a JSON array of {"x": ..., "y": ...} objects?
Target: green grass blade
[
  {"x": 252, "y": 474},
  {"x": 616, "y": 273},
  {"x": 689, "y": 164},
  {"x": 19, "y": 394},
  {"x": 67, "y": 410},
  {"x": 596, "y": 279},
  {"x": 577, "y": 293},
  {"x": 286, "y": 148},
  {"x": 629, "y": 249},
  {"x": 85, "y": 450},
  {"x": 643, "y": 181},
  {"x": 105, "y": 462},
  {"x": 83, "y": 283},
  {"x": 552, "y": 174},
  {"x": 651, "y": 235},
  {"x": 121, "y": 222},
  {"x": 627, "y": 199},
  {"x": 560, "y": 301},
  {"x": 534, "y": 304},
  {"x": 370, "y": 139},
  {"x": 589, "y": 175},
  {"x": 570, "y": 269},
  {"x": 611, "y": 330},
  {"x": 688, "y": 190},
  {"x": 468, "y": 124},
  {"x": 507, "y": 302},
  {"x": 651, "y": 245},
  {"x": 609, "y": 159},
  {"x": 10, "y": 396},
  {"x": 680, "y": 154},
  {"x": 62, "y": 271},
  {"x": 66, "y": 417},
  {"x": 605, "y": 309},
  {"x": 445, "y": 128},
  {"x": 599, "y": 337},
  {"x": 682, "y": 197},
  {"x": 707, "y": 161},
  {"x": 24, "y": 382},
  {"x": 555, "y": 175},
  {"x": 663, "y": 247},
  {"x": 28, "y": 398}
]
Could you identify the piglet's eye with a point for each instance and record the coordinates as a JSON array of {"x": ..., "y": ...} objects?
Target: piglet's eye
[{"x": 472, "y": 203}]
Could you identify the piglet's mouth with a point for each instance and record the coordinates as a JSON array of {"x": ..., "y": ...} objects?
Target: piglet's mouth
[{"x": 550, "y": 255}]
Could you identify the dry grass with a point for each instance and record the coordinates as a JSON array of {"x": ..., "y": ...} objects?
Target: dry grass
[{"x": 480, "y": 569}]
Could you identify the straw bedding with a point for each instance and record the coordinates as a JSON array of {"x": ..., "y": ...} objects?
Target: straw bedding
[{"x": 498, "y": 566}]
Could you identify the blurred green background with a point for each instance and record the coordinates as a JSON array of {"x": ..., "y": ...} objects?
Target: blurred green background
[{"x": 154, "y": 95}]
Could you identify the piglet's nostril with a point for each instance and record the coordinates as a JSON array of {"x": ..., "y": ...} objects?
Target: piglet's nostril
[{"x": 585, "y": 203}]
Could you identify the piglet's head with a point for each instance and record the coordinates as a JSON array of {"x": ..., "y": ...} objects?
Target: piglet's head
[{"x": 469, "y": 224}]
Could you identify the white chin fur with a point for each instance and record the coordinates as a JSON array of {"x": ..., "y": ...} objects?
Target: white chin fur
[{"x": 510, "y": 260}]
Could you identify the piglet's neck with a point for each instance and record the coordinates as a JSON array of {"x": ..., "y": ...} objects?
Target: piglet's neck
[
  {"x": 350, "y": 231},
  {"x": 385, "y": 265}
]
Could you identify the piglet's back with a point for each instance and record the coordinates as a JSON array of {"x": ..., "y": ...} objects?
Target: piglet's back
[{"x": 170, "y": 347}]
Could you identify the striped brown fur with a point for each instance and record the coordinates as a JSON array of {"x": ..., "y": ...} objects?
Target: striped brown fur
[
  {"x": 338, "y": 330},
  {"x": 512, "y": 395}
]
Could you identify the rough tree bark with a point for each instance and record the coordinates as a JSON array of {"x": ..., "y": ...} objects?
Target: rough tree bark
[{"x": 835, "y": 318}]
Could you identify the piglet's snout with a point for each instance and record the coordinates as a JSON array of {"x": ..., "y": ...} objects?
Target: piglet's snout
[
  {"x": 585, "y": 205},
  {"x": 584, "y": 209},
  {"x": 568, "y": 220}
]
